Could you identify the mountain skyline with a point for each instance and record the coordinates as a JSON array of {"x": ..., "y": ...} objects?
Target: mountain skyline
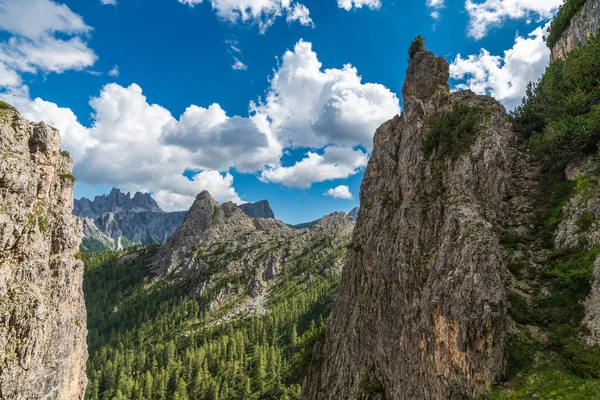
[
  {"x": 278, "y": 100},
  {"x": 117, "y": 201}
]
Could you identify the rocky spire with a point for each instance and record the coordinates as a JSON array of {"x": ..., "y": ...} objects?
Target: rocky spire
[
  {"x": 260, "y": 209},
  {"x": 421, "y": 308},
  {"x": 176, "y": 254},
  {"x": 426, "y": 76}
]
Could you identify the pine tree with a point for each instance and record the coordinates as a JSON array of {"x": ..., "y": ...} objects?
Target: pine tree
[
  {"x": 148, "y": 383},
  {"x": 181, "y": 390},
  {"x": 293, "y": 336}
]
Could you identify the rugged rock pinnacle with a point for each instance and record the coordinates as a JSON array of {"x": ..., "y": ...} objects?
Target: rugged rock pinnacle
[{"x": 421, "y": 309}]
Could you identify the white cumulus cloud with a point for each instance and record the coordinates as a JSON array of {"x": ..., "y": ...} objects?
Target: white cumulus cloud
[
  {"x": 43, "y": 37},
  {"x": 492, "y": 13},
  {"x": 126, "y": 146},
  {"x": 334, "y": 163},
  {"x": 109, "y": 2},
  {"x": 437, "y": 5},
  {"x": 34, "y": 19},
  {"x": 257, "y": 12},
  {"x": 340, "y": 192},
  {"x": 348, "y": 4},
  {"x": 312, "y": 107},
  {"x": 137, "y": 145},
  {"x": 301, "y": 14},
  {"x": 506, "y": 76}
]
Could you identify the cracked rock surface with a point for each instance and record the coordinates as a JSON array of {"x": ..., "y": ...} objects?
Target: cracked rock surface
[
  {"x": 43, "y": 349},
  {"x": 421, "y": 311}
]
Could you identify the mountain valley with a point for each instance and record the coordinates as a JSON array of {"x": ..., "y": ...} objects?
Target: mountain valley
[{"x": 469, "y": 270}]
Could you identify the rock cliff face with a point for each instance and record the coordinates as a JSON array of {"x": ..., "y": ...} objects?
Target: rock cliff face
[
  {"x": 260, "y": 209},
  {"x": 115, "y": 202},
  {"x": 225, "y": 255},
  {"x": 43, "y": 349},
  {"x": 580, "y": 229},
  {"x": 421, "y": 311},
  {"x": 582, "y": 26}
]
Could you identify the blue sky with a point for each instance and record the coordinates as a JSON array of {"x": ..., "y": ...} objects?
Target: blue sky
[{"x": 143, "y": 90}]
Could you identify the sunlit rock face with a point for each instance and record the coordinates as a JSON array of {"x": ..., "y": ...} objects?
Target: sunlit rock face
[
  {"x": 582, "y": 26},
  {"x": 421, "y": 311},
  {"x": 43, "y": 348}
]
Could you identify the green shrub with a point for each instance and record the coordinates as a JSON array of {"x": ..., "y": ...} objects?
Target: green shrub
[
  {"x": 585, "y": 221},
  {"x": 580, "y": 359},
  {"x": 561, "y": 114},
  {"x": 354, "y": 246},
  {"x": 65, "y": 153},
  {"x": 562, "y": 20},
  {"x": 67, "y": 176},
  {"x": 519, "y": 309},
  {"x": 520, "y": 352},
  {"x": 568, "y": 273},
  {"x": 369, "y": 382},
  {"x": 417, "y": 46},
  {"x": 562, "y": 191},
  {"x": 309, "y": 339},
  {"x": 452, "y": 133},
  {"x": 5, "y": 106},
  {"x": 511, "y": 240}
]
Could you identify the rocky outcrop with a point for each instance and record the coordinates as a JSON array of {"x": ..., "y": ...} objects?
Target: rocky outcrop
[
  {"x": 43, "y": 349},
  {"x": 115, "y": 202},
  {"x": 582, "y": 26},
  {"x": 225, "y": 255},
  {"x": 580, "y": 225},
  {"x": 260, "y": 209},
  {"x": 421, "y": 311},
  {"x": 579, "y": 230},
  {"x": 592, "y": 308}
]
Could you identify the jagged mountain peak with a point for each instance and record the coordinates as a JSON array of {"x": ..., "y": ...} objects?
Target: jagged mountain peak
[
  {"x": 260, "y": 209},
  {"x": 115, "y": 202},
  {"x": 210, "y": 231}
]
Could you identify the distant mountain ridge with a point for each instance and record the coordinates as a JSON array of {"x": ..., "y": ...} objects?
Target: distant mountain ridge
[
  {"x": 115, "y": 202},
  {"x": 117, "y": 220},
  {"x": 353, "y": 213}
]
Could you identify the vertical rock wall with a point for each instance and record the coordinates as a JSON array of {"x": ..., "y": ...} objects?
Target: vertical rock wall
[
  {"x": 421, "y": 310},
  {"x": 42, "y": 310},
  {"x": 582, "y": 26}
]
